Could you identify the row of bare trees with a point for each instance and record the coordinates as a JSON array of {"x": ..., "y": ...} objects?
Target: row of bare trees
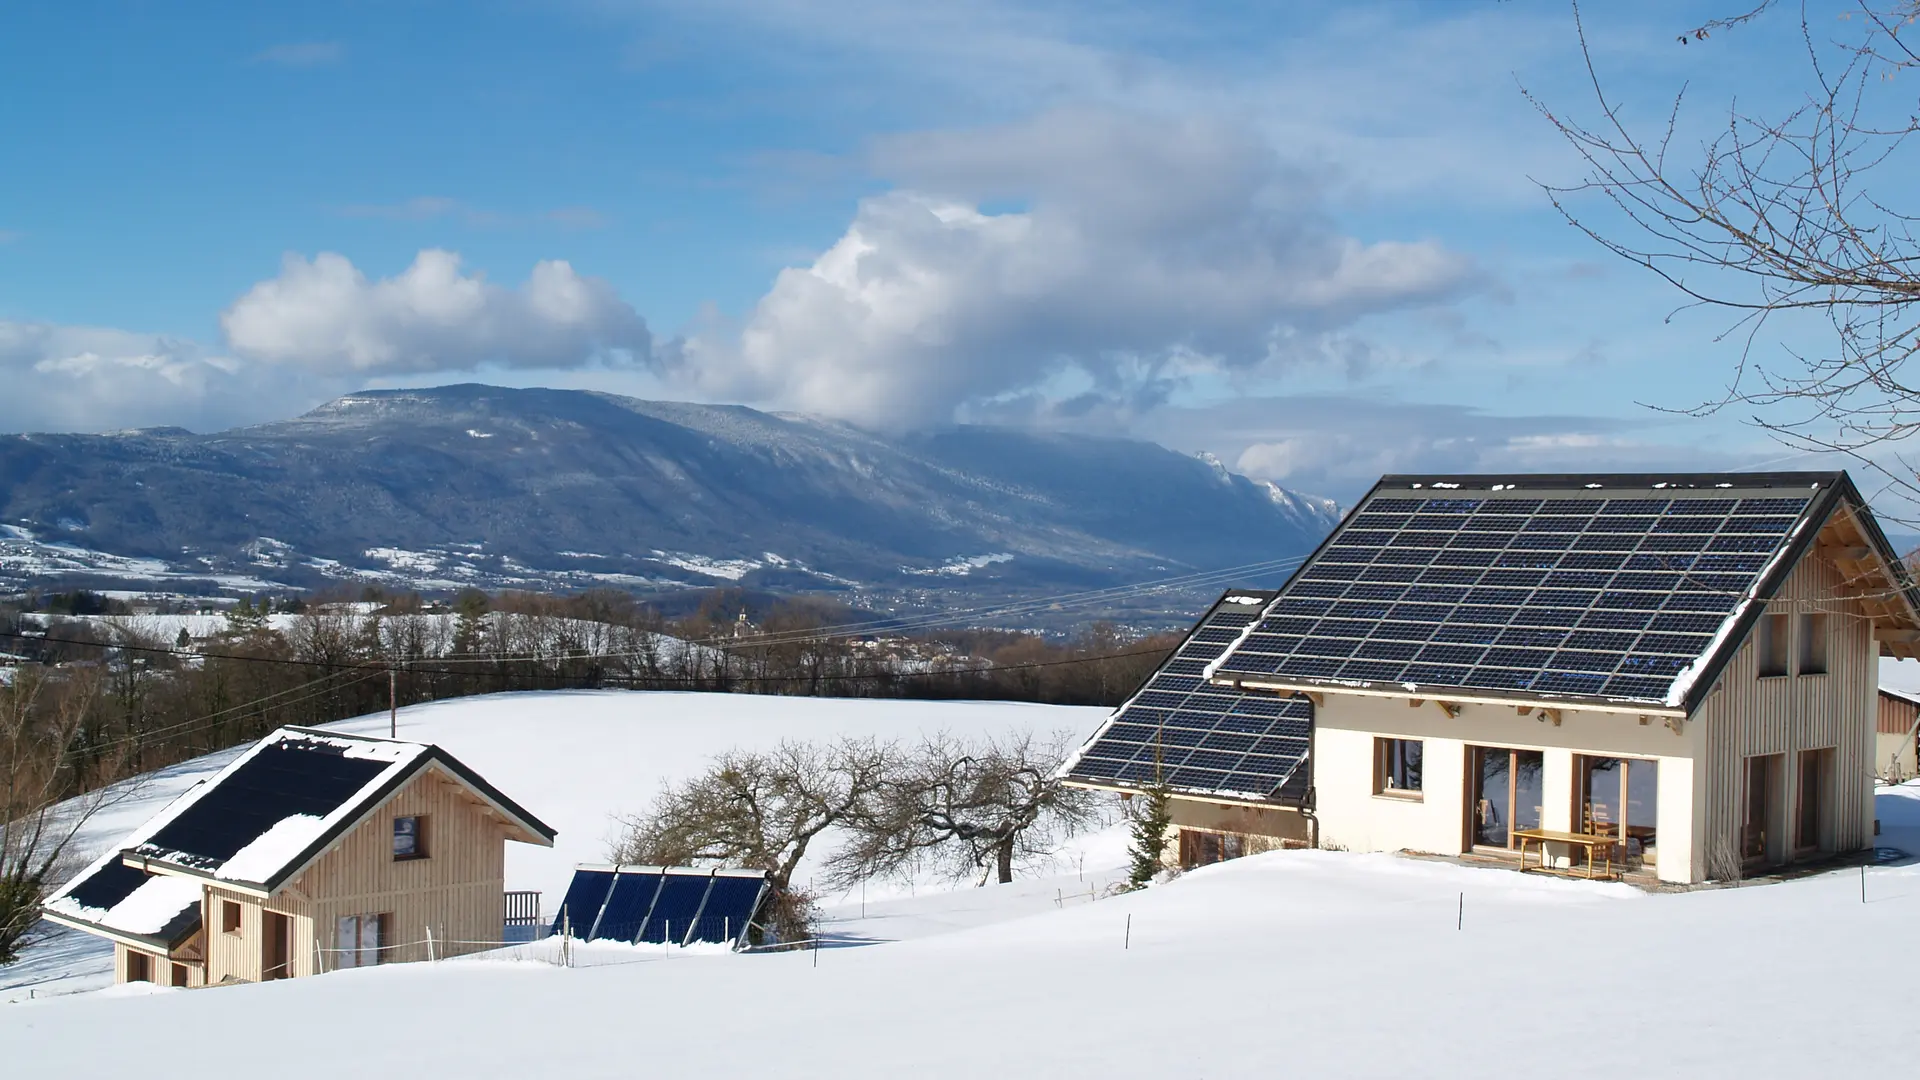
[
  {"x": 949, "y": 806},
  {"x": 100, "y": 700}
]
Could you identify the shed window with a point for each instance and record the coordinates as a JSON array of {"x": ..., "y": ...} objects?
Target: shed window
[
  {"x": 179, "y": 975},
  {"x": 409, "y": 838},
  {"x": 1811, "y": 638},
  {"x": 1396, "y": 766},
  {"x": 361, "y": 940},
  {"x": 230, "y": 916},
  {"x": 1770, "y": 645},
  {"x": 139, "y": 967}
]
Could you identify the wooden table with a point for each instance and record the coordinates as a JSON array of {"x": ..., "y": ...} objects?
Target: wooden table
[{"x": 1595, "y": 843}]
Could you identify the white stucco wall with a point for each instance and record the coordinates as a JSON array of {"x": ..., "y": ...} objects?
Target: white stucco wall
[{"x": 1353, "y": 816}]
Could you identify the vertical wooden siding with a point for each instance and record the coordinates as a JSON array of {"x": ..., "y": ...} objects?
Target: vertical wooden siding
[
  {"x": 1896, "y": 715},
  {"x": 1746, "y": 716},
  {"x": 457, "y": 891}
]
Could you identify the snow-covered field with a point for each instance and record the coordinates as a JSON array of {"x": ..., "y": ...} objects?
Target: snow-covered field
[
  {"x": 576, "y": 759},
  {"x": 1289, "y": 964}
]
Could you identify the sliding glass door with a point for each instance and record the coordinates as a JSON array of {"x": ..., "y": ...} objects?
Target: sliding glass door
[
  {"x": 1618, "y": 797},
  {"x": 1506, "y": 795}
]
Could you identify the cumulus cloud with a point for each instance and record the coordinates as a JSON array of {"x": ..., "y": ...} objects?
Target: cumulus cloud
[
  {"x": 1111, "y": 249},
  {"x": 325, "y": 315},
  {"x": 67, "y": 378}
]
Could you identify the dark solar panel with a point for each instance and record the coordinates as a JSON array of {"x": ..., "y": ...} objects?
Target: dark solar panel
[
  {"x": 731, "y": 904},
  {"x": 292, "y": 776},
  {"x": 674, "y": 911},
  {"x": 635, "y": 904},
  {"x": 1197, "y": 737},
  {"x": 628, "y": 905},
  {"x": 1588, "y": 595},
  {"x": 586, "y": 894}
]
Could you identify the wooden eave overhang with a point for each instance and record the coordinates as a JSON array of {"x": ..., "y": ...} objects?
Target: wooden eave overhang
[{"x": 1873, "y": 575}]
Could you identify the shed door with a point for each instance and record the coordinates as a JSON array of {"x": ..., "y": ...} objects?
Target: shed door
[{"x": 276, "y": 945}]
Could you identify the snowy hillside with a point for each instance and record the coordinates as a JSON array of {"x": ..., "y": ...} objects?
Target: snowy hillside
[
  {"x": 576, "y": 759},
  {"x": 1289, "y": 964}
]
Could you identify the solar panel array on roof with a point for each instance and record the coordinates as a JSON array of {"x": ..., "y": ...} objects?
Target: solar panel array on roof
[
  {"x": 294, "y": 775},
  {"x": 1601, "y": 595},
  {"x": 661, "y": 904},
  {"x": 1188, "y": 734},
  {"x": 96, "y": 896}
]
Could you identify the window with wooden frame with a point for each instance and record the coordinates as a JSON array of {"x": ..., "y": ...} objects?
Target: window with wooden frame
[
  {"x": 229, "y": 916},
  {"x": 1770, "y": 640},
  {"x": 1200, "y": 848},
  {"x": 1810, "y": 639},
  {"x": 361, "y": 940},
  {"x": 1396, "y": 767},
  {"x": 409, "y": 838},
  {"x": 1618, "y": 797}
]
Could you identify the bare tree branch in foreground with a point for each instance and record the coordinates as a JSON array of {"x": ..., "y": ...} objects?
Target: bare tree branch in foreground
[
  {"x": 1779, "y": 217},
  {"x": 45, "y": 799}
]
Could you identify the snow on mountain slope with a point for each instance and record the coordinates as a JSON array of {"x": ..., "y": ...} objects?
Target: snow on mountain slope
[{"x": 575, "y": 490}]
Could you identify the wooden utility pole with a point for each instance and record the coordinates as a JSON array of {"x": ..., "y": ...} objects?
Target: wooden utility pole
[{"x": 393, "y": 703}]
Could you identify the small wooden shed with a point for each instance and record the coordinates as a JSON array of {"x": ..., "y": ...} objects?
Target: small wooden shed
[
  {"x": 1895, "y": 756},
  {"x": 313, "y": 851}
]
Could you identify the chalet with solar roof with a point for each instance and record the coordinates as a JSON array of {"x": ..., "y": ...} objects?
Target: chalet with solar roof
[
  {"x": 1673, "y": 677},
  {"x": 312, "y": 851}
]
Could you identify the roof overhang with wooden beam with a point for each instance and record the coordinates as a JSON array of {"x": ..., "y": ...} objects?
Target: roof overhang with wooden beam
[{"x": 1872, "y": 575}]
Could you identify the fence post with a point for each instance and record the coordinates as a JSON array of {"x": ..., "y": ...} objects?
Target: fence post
[{"x": 430, "y": 957}]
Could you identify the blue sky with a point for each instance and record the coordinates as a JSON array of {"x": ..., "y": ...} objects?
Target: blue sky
[{"x": 1305, "y": 238}]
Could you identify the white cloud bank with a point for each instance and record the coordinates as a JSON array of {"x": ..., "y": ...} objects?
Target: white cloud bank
[
  {"x": 66, "y": 378},
  {"x": 1133, "y": 249},
  {"x": 325, "y": 315}
]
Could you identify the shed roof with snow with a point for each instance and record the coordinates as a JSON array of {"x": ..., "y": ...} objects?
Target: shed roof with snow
[{"x": 256, "y": 825}]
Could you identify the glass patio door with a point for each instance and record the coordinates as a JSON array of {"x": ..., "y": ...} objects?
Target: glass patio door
[{"x": 1506, "y": 795}]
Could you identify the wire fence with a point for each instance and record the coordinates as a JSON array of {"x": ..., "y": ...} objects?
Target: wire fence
[{"x": 539, "y": 945}]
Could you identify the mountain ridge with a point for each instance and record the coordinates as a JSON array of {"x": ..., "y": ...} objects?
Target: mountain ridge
[{"x": 478, "y": 485}]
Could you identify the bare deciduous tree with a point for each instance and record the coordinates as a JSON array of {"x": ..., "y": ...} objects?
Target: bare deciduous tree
[
  {"x": 965, "y": 806},
  {"x": 765, "y": 810},
  {"x": 44, "y": 792},
  {"x": 1785, "y": 215}
]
